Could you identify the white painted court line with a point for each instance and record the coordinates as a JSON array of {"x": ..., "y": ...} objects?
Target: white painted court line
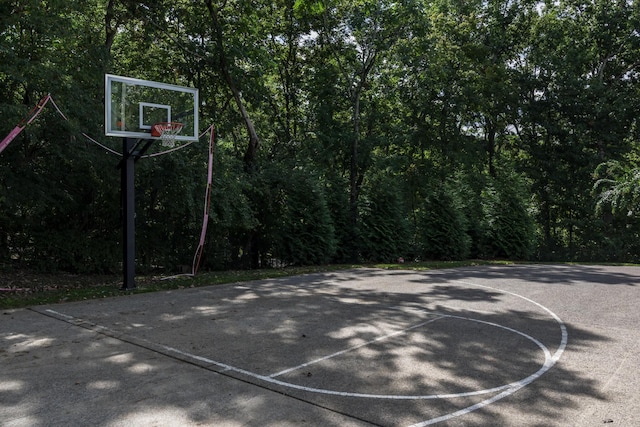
[
  {"x": 430, "y": 396},
  {"x": 549, "y": 363},
  {"x": 271, "y": 378},
  {"x": 503, "y": 390},
  {"x": 66, "y": 316},
  {"x": 355, "y": 347}
]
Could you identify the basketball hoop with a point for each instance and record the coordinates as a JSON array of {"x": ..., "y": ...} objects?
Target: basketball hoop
[{"x": 167, "y": 132}]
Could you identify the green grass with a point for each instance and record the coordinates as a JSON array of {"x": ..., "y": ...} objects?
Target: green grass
[{"x": 22, "y": 289}]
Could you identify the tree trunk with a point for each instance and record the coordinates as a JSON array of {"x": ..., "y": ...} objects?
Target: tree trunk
[
  {"x": 254, "y": 140},
  {"x": 491, "y": 147},
  {"x": 353, "y": 170},
  {"x": 110, "y": 28}
]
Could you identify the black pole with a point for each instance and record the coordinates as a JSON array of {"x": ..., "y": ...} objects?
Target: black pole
[{"x": 128, "y": 207}]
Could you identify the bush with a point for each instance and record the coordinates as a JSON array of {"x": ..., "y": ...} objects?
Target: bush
[
  {"x": 384, "y": 231},
  {"x": 295, "y": 226},
  {"x": 441, "y": 228},
  {"x": 506, "y": 230}
]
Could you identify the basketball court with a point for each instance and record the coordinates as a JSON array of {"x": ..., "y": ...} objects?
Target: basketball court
[{"x": 527, "y": 345}]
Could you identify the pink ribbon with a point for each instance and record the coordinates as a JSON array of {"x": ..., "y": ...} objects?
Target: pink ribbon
[
  {"x": 205, "y": 220},
  {"x": 207, "y": 205},
  {"x": 5, "y": 142},
  {"x": 31, "y": 117}
]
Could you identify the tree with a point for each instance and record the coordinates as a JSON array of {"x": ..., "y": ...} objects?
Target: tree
[
  {"x": 52, "y": 190},
  {"x": 442, "y": 228},
  {"x": 341, "y": 127},
  {"x": 617, "y": 187},
  {"x": 572, "y": 82},
  {"x": 353, "y": 40}
]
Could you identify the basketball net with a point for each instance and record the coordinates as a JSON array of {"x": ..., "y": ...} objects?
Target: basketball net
[{"x": 167, "y": 132}]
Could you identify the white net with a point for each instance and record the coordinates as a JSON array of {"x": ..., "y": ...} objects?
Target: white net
[{"x": 167, "y": 133}]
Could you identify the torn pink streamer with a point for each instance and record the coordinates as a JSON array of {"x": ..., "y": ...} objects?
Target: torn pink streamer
[
  {"x": 27, "y": 120},
  {"x": 207, "y": 205},
  {"x": 7, "y": 140},
  {"x": 38, "y": 108}
]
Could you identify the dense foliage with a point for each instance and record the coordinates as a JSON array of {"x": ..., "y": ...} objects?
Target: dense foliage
[{"x": 362, "y": 130}]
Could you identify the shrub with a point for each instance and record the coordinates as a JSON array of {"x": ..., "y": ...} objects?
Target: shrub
[{"x": 441, "y": 228}]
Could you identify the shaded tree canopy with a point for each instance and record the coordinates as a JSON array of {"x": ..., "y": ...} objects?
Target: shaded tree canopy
[{"x": 346, "y": 131}]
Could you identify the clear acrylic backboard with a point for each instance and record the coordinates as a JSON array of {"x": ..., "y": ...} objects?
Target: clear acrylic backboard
[{"x": 133, "y": 106}]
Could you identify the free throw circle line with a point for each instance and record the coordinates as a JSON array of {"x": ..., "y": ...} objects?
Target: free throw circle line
[
  {"x": 270, "y": 379},
  {"x": 355, "y": 347},
  {"x": 563, "y": 329},
  {"x": 548, "y": 364},
  {"x": 504, "y": 390}
]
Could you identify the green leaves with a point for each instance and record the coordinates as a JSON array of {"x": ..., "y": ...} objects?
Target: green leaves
[
  {"x": 441, "y": 228},
  {"x": 617, "y": 187},
  {"x": 308, "y": 7},
  {"x": 346, "y": 129}
]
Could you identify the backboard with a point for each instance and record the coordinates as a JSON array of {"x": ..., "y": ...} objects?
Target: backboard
[{"x": 133, "y": 106}]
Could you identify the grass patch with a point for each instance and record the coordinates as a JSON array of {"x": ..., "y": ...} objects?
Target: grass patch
[{"x": 20, "y": 288}]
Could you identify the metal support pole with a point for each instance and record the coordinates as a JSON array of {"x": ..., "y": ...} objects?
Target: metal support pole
[{"x": 128, "y": 206}]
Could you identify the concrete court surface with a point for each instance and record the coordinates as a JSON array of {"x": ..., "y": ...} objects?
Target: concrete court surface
[{"x": 514, "y": 345}]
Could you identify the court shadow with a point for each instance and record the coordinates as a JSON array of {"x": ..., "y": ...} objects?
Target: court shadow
[
  {"x": 328, "y": 349},
  {"x": 561, "y": 274},
  {"x": 462, "y": 294}
]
